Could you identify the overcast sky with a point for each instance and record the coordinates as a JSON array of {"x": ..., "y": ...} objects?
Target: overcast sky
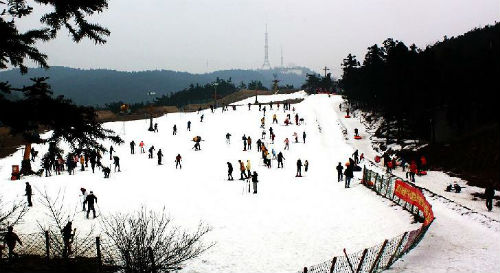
[{"x": 206, "y": 35}]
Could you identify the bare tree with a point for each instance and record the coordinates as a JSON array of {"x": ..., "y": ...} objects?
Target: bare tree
[
  {"x": 11, "y": 214},
  {"x": 147, "y": 241},
  {"x": 58, "y": 216}
]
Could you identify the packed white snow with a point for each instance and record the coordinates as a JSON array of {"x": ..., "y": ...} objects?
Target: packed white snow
[{"x": 290, "y": 223}]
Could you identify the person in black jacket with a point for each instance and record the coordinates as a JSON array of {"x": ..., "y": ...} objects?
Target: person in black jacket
[
  {"x": 489, "y": 193},
  {"x": 280, "y": 159},
  {"x": 68, "y": 236},
  {"x": 132, "y": 147},
  {"x": 29, "y": 192},
  {"x": 160, "y": 155},
  {"x": 349, "y": 174},
  {"x": 255, "y": 181},
  {"x": 299, "y": 168},
  {"x": 11, "y": 238},
  {"x": 339, "y": 168},
  {"x": 229, "y": 171},
  {"x": 90, "y": 200}
]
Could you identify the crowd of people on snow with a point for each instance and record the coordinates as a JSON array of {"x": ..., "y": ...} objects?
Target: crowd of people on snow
[{"x": 54, "y": 162}]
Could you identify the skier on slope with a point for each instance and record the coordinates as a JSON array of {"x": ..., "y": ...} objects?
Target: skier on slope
[
  {"x": 280, "y": 159},
  {"x": 299, "y": 168},
  {"x": 339, "y": 168},
  {"x": 160, "y": 155},
  {"x": 178, "y": 160},
  {"x": 229, "y": 171}
]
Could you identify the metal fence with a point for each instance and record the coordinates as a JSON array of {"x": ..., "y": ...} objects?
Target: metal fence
[
  {"x": 51, "y": 246},
  {"x": 382, "y": 256}
]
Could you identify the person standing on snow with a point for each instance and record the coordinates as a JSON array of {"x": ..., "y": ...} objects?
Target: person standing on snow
[
  {"x": 296, "y": 119},
  {"x": 178, "y": 160},
  {"x": 296, "y": 136},
  {"x": 132, "y": 147},
  {"x": 174, "y": 130},
  {"x": 356, "y": 156},
  {"x": 116, "y": 162},
  {"x": 255, "y": 181},
  {"x": 244, "y": 138},
  {"x": 275, "y": 119},
  {"x": 287, "y": 143},
  {"x": 339, "y": 168},
  {"x": 248, "y": 106},
  {"x": 151, "y": 150},
  {"x": 230, "y": 170},
  {"x": 349, "y": 174},
  {"x": 29, "y": 193},
  {"x": 82, "y": 163},
  {"x": 306, "y": 165},
  {"x": 304, "y": 136},
  {"x": 201, "y": 117},
  {"x": 68, "y": 235},
  {"x": 299, "y": 168},
  {"x": 155, "y": 129},
  {"x": 280, "y": 159},
  {"x": 90, "y": 200},
  {"x": 111, "y": 150},
  {"x": 189, "y": 125},
  {"x": 160, "y": 155},
  {"x": 142, "y": 147},
  {"x": 242, "y": 170},
  {"x": 489, "y": 193},
  {"x": 356, "y": 132},
  {"x": 84, "y": 197},
  {"x": 228, "y": 138},
  {"x": 248, "y": 167}
]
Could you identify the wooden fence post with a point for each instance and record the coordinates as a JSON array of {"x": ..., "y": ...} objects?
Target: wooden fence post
[
  {"x": 362, "y": 260},
  {"x": 375, "y": 263},
  {"x": 47, "y": 245},
  {"x": 152, "y": 258},
  {"x": 391, "y": 260},
  {"x": 99, "y": 257},
  {"x": 334, "y": 261}
]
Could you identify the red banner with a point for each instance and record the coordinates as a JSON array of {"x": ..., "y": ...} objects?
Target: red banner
[{"x": 415, "y": 197}]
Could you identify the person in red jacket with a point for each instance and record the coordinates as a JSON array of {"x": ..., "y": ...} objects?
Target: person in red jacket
[
  {"x": 413, "y": 170},
  {"x": 423, "y": 163}
]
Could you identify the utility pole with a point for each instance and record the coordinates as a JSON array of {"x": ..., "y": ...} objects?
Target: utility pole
[
  {"x": 215, "y": 93},
  {"x": 326, "y": 69},
  {"x": 151, "y": 93}
]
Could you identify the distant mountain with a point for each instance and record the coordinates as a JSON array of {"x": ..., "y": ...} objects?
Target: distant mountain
[{"x": 100, "y": 86}]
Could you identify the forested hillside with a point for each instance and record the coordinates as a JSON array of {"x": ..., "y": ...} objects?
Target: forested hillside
[
  {"x": 445, "y": 93},
  {"x": 100, "y": 86}
]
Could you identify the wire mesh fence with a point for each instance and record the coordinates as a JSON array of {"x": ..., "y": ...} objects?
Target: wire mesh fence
[{"x": 382, "y": 256}]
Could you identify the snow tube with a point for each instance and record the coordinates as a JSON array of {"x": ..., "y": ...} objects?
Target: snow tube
[
  {"x": 357, "y": 137},
  {"x": 347, "y": 116},
  {"x": 422, "y": 173},
  {"x": 377, "y": 159}
]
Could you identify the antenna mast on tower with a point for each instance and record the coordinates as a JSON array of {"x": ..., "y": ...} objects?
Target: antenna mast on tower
[{"x": 266, "y": 55}]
